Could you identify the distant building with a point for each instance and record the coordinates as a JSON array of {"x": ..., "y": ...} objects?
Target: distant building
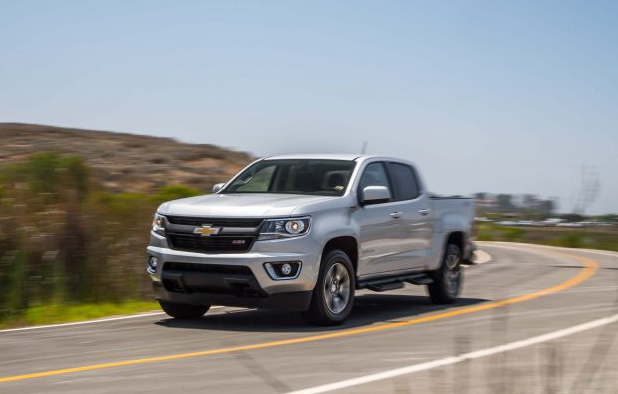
[{"x": 486, "y": 202}]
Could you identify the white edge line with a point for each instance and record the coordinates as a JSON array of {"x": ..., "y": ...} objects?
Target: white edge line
[
  {"x": 457, "y": 359},
  {"x": 481, "y": 257},
  {"x": 103, "y": 320}
]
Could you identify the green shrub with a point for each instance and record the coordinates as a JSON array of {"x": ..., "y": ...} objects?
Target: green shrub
[
  {"x": 65, "y": 240},
  {"x": 175, "y": 192},
  {"x": 512, "y": 234},
  {"x": 572, "y": 241}
]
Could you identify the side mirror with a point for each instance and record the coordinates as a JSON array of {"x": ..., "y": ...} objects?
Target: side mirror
[
  {"x": 375, "y": 194},
  {"x": 217, "y": 187}
]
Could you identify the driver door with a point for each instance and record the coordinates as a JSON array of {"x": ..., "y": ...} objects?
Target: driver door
[{"x": 382, "y": 243}]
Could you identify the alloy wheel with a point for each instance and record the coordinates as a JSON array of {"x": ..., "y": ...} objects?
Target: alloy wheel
[{"x": 337, "y": 288}]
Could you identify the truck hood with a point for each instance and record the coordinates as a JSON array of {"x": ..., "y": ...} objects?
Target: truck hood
[{"x": 262, "y": 205}]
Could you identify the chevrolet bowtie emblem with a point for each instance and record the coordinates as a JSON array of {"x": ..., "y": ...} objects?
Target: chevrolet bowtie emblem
[{"x": 206, "y": 230}]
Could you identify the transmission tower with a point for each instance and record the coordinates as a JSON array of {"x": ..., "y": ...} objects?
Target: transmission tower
[{"x": 590, "y": 187}]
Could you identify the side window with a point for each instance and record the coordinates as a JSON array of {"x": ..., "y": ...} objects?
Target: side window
[
  {"x": 256, "y": 182},
  {"x": 374, "y": 175},
  {"x": 405, "y": 184}
]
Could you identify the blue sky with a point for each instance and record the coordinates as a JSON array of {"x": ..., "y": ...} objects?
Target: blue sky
[{"x": 491, "y": 96}]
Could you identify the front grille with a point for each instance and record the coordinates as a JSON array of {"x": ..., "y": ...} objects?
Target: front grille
[
  {"x": 214, "y": 222},
  {"x": 210, "y": 278},
  {"x": 213, "y": 244},
  {"x": 207, "y": 268}
]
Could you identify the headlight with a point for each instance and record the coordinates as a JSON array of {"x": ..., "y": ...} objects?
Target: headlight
[
  {"x": 158, "y": 224},
  {"x": 284, "y": 228}
]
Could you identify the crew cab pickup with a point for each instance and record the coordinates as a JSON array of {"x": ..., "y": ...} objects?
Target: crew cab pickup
[{"x": 304, "y": 232}]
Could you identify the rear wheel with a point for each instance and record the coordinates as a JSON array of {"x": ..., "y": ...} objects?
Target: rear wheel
[
  {"x": 184, "y": 311},
  {"x": 447, "y": 279},
  {"x": 333, "y": 295}
]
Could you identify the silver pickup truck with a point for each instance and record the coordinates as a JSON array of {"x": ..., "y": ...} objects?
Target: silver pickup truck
[{"x": 304, "y": 232}]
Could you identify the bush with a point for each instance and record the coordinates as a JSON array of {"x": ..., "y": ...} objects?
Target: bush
[
  {"x": 65, "y": 240},
  {"x": 571, "y": 241},
  {"x": 169, "y": 193},
  {"x": 606, "y": 239},
  {"x": 513, "y": 234}
]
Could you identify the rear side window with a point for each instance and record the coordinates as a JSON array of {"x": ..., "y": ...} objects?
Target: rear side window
[{"x": 405, "y": 184}]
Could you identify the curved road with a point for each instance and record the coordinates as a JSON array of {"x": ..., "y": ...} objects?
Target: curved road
[{"x": 528, "y": 321}]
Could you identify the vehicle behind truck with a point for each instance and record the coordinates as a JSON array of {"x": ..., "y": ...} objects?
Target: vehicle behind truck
[{"x": 305, "y": 232}]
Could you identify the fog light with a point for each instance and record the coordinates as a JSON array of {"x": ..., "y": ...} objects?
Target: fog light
[
  {"x": 283, "y": 270},
  {"x": 286, "y": 269},
  {"x": 153, "y": 262}
]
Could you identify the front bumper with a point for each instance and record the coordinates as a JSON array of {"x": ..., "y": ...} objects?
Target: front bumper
[
  {"x": 292, "y": 301},
  {"x": 236, "y": 279}
]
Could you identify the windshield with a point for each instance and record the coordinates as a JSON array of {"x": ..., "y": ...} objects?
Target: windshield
[{"x": 304, "y": 176}]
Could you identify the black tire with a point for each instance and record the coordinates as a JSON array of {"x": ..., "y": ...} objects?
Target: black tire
[
  {"x": 184, "y": 311},
  {"x": 448, "y": 279},
  {"x": 333, "y": 295}
]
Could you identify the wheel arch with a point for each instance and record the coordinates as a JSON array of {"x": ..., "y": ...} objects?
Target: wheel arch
[
  {"x": 458, "y": 238},
  {"x": 348, "y": 244}
]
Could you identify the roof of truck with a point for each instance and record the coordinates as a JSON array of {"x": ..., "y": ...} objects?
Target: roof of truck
[{"x": 323, "y": 156}]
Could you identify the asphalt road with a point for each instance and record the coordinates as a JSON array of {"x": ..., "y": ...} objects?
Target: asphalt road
[{"x": 246, "y": 351}]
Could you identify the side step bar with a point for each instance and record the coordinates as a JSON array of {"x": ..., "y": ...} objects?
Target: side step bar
[
  {"x": 394, "y": 282},
  {"x": 385, "y": 287}
]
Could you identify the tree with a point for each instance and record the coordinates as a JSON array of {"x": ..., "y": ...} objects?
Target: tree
[
  {"x": 547, "y": 207},
  {"x": 530, "y": 202},
  {"x": 504, "y": 202}
]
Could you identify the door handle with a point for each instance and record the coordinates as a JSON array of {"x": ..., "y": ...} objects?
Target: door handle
[
  {"x": 424, "y": 212},
  {"x": 396, "y": 215}
]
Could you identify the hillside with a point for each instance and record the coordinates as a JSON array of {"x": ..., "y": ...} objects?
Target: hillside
[{"x": 126, "y": 162}]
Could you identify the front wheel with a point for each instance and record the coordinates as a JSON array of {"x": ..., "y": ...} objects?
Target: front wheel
[
  {"x": 184, "y": 311},
  {"x": 447, "y": 279},
  {"x": 333, "y": 296}
]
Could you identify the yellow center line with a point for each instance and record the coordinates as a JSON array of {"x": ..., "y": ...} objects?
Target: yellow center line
[{"x": 590, "y": 266}]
